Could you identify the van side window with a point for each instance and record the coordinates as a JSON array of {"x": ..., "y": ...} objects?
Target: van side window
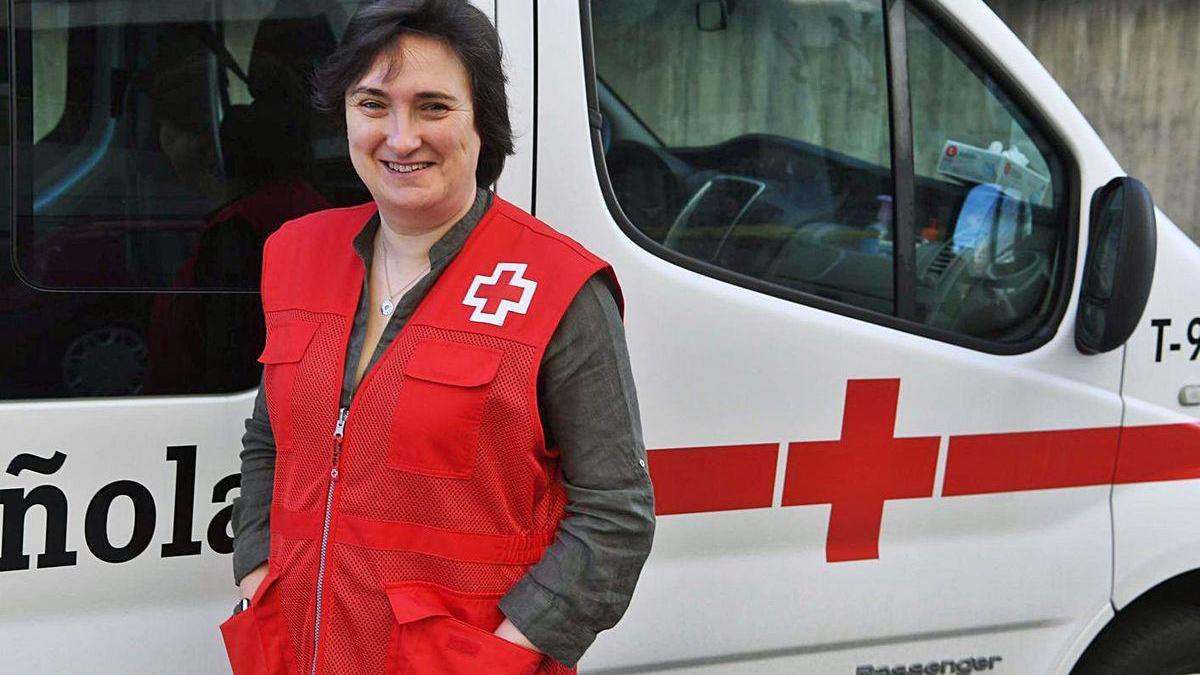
[
  {"x": 752, "y": 142},
  {"x": 157, "y": 145},
  {"x": 989, "y": 205},
  {"x": 152, "y": 132},
  {"x": 761, "y": 147}
]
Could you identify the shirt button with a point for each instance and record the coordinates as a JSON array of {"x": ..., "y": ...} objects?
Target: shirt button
[{"x": 642, "y": 463}]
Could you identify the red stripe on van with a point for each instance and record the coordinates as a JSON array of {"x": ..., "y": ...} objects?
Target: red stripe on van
[
  {"x": 1030, "y": 460},
  {"x": 1158, "y": 453},
  {"x": 714, "y": 478}
]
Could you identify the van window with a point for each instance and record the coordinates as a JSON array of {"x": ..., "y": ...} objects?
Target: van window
[
  {"x": 751, "y": 141},
  {"x": 991, "y": 218},
  {"x": 157, "y": 145},
  {"x": 761, "y": 147},
  {"x": 152, "y": 133}
]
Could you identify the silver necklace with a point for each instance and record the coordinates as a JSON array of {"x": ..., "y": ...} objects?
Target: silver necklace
[{"x": 388, "y": 305}]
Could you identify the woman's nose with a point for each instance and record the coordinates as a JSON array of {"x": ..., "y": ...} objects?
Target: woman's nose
[{"x": 404, "y": 135}]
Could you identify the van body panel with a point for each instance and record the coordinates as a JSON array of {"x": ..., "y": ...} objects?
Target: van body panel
[
  {"x": 1071, "y": 654},
  {"x": 1154, "y": 522},
  {"x": 514, "y": 21},
  {"x": 162, "y": 609}
]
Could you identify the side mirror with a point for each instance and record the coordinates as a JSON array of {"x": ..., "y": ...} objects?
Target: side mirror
[
  {"x": 713, "y": 15},
  {"x": 1119, "y": 267}
]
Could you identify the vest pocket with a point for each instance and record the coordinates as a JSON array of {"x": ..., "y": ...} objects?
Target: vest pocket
[
  {"x": 244, "y": 641},
  {"x": 287, "y": 341},
  {"x": 437, "y": 633},
  {"x": 435, "y": 424}
]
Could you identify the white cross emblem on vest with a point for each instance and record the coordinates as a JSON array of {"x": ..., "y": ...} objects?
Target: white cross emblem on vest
[{"x": 513, "y": 295}]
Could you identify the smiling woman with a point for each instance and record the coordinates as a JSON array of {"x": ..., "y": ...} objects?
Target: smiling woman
[{"x": 445, "y": 380}]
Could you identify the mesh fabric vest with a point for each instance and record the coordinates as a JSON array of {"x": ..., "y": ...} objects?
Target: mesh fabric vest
[{"x": 391, "y": 545}]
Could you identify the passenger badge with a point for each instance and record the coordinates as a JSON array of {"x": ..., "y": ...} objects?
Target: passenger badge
[{"x": 493, "y": 297}]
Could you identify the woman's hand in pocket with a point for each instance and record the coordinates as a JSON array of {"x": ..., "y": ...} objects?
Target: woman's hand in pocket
[
  {"x": 251, "y": 581},
  {"x": 509, "y": 632}
]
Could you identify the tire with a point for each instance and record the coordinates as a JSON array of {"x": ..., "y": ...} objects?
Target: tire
[
  {"x": 106, "y": 360},
  {"x": 1159, "y": 639}
]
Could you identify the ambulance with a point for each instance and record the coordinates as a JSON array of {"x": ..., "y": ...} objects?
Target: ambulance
[{"x": 917, "y": 361}]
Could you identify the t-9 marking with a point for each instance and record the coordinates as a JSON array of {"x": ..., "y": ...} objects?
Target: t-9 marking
[{"x": 1193, "y": 338}]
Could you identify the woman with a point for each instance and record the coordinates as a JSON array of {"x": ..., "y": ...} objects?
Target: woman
[{"x": 446, "y": 438}]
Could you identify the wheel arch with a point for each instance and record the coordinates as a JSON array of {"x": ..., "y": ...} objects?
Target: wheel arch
[{"x": 1182, "y": 587}]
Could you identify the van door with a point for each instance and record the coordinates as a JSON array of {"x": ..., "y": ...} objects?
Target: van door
[{"x": 849, "y": 240}]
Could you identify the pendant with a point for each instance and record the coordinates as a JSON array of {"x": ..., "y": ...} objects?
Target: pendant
[{"x": 387, "y": 308}]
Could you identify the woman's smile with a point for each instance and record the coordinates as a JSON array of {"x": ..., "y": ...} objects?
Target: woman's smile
[{"x": 410, "y": 168}]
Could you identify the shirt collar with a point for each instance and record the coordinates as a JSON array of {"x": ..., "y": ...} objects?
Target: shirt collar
[{"x": 449, "y": 244}]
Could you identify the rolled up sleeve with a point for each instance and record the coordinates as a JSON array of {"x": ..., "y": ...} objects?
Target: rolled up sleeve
[{"x": 586, "y": 578}]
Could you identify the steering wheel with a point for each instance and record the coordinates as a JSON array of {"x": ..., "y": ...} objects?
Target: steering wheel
[{"x": 646, "y": 185}]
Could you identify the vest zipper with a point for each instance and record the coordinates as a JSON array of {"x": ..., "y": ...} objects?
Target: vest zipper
[{"x": 338, "y": 432}]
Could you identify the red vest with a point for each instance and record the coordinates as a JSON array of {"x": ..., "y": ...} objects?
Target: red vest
[{"x": 395, "y": 532}]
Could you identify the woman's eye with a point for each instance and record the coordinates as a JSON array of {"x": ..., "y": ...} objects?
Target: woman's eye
[
  {"x": 437, "y": 107},
  {"x": 370, "y": 105}
]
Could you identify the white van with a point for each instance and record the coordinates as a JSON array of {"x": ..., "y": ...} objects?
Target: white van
[{"x": 917, "y": 363}]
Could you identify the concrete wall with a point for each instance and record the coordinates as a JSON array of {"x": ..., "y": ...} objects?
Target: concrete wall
[{"x": 1133, "y": 68}]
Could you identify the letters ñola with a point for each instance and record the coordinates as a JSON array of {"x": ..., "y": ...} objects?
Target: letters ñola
[{"x": 16, "y": 503}]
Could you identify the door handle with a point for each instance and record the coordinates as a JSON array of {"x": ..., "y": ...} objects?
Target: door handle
[{"x": 1190, "y": 395}]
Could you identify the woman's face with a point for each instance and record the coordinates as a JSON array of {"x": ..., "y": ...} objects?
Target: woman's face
[{"x": 412, "y": 134}]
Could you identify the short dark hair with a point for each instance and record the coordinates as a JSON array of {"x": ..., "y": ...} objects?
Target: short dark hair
[{"x": 465, "y": 29}]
